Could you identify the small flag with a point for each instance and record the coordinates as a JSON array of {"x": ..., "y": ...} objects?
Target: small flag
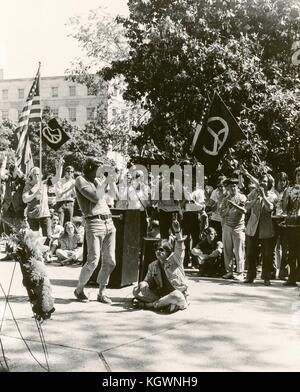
[
  {"x": 219, "y": 132},
  {"x": 31, "y": 112},
  {"x": 54, "y": 135}
]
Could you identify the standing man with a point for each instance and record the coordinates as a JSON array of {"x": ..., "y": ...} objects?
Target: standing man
[
  {"x": 99, "y": 228},
  {"x": 233, "y": 211},
  {"x": 65, "y": 196}
]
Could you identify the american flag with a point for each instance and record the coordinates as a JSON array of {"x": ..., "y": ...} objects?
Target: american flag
[{"x": 31, "y": 112}]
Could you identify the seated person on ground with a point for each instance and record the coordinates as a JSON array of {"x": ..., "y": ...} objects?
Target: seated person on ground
[
  {"x": 69, "y": 250},
  {"x": 78, "y": 222},
  {"x": 207, "y": 254},
  {"x": 165, "y": 286},
  {"x": 56, "y": 232}
]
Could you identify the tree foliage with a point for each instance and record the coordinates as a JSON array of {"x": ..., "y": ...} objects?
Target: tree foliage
[
  {"x": 103, "y": 41},
  {"x": 183, "y": 50}
]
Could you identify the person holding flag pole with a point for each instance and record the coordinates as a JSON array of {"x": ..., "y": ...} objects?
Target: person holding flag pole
[{"x": 35, "y": 191}]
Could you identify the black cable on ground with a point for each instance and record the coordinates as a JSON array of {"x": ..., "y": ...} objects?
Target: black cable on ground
[{"x": 19, "y": 330}]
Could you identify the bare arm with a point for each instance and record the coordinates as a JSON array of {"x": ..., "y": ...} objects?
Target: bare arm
[{"x": 31, "y": 194}]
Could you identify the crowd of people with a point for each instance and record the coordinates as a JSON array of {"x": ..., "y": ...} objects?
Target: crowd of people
[{"x": 229, "y": 231}]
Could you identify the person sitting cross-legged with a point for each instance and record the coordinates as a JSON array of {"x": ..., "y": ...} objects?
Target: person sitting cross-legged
[
  {"x": 69, "y": 250},
  {"x": 165, "y": 287},
  {"x": 56, "y": 232},
  {"x": 208, "y": 254}
]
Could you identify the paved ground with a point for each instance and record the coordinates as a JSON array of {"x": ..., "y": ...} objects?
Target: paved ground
[{"x": 227, "y": 327}]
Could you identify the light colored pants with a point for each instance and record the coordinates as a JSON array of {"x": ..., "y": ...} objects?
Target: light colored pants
[
  {"x": 64, "y": 254},
  {"x": 234, "y": 244},
  {"x": 100, "y": 237},
  {"x": 176, "y": 297}
]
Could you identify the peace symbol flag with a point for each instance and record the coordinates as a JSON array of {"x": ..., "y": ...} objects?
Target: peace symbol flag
[
  {"x": 219, "y": 132},
  {"x": 54, "y": 135}
]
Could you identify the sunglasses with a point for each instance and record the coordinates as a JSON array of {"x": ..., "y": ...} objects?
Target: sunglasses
[
  {"x": 69, "y": 171},
  {"x": 161, "y": 249}
]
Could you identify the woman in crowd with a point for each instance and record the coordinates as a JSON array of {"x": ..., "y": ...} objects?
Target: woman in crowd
[
  {"x": 208, "y": 254},
  {"x": 69, "y": 245},
  {"x": 56, "y": 232},
  {"x": 216, "y": 199}
]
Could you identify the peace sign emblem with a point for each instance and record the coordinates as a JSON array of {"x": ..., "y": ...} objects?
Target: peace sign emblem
[
  {"x": 219, "y": 138},
  {"x": 53, "y": 136}
]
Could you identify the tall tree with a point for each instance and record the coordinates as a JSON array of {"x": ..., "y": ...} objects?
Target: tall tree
[
  {"x": 183, "y": 50},
  {"x": 103, "y": 41}
]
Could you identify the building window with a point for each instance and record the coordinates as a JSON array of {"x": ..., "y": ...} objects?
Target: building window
[
  {"x": 21, "y": 93},
  {"x": 54, "y": 91},
  {"x": 90, "y": 114},
  {"x": 4, "y": 115},
  {"x": 4, "y": 94},
  {"x": 72, "y": 114},
  {"x": 72, "y": 90},
  {"x": 54, "y": 112}
]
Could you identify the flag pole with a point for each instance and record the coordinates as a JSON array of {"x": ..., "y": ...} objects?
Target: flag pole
[
  {"x": 41, "y": 147},
  {"x": 246, "y": 137}
]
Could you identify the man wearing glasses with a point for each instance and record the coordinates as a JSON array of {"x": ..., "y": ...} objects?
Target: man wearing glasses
[
  {"x": 165, "y": 287},
  {"x": 65, "y": 196}
]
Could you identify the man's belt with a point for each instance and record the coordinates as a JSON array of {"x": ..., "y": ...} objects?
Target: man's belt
[{"x": 100, "y": 216}]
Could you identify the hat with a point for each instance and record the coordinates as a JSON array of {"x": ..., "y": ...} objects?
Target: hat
[
  {"x": 231, "y": 181},
  {"x": 77, "y": 219}
]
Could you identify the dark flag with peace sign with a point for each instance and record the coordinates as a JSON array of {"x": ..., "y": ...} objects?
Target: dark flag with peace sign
[
  {"x": 219, "y": 132},
  {"x": 54, "y": 135}
]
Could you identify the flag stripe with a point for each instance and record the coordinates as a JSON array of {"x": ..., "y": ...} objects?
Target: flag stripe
[{"x": 31, "y": 112}]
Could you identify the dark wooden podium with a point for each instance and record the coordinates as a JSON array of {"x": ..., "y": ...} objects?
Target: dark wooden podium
[
  {"x": 148, "y": 255},
  {"x": 128, "y": 225},
  {"x": 128, "y": 247}
]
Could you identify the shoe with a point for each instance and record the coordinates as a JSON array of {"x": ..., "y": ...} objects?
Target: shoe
[
  {"x": 267, "y": 282},
  {"x": 136, "y": 303},
  {"x": 289, "y": 284},
  {"x": 229, "y": 275},
  {"x": 239, "y": 277},
  {"x": 81, "y": 296},
  {"x": 248, "y": 280},
  {"x": 104, "y": 299}
]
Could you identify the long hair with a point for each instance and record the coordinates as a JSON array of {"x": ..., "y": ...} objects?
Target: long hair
[{"x": 65, "y": 234}]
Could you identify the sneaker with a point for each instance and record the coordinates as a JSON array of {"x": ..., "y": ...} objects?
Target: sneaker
[
  {"x": 239, "y": 276},
  {"x": 104, "y": 299},
  {"x": 229, "y": 275},
  {"x": 81, "y": 296}
]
